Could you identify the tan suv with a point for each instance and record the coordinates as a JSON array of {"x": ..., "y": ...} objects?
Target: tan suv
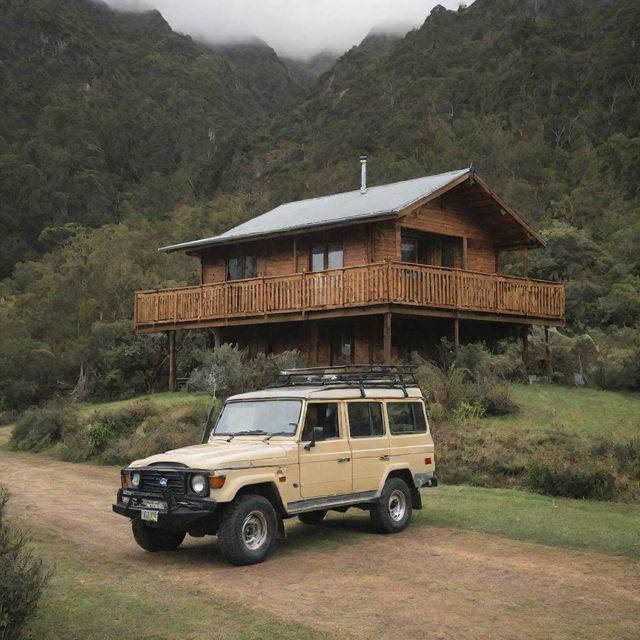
[{"x": 322, "y": 440}]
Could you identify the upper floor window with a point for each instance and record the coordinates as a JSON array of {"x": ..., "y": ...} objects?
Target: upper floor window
[
  {"x": 326, "y": 256},
  {"x": 241, "y": 268}
]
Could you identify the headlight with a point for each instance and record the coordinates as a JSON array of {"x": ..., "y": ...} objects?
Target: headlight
[
  {"x": 135, "y": 479},
  {"x": 199, "y": 484}
]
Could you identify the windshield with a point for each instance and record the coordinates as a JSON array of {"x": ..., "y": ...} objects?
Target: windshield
[{"x": 259, "y": 417}]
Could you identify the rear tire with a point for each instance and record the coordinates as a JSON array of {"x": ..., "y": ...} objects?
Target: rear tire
[
  {"x": 392, "y": 513},
  {"x": 247, "y": 533},
  {"x": 152, "y": 539},
  {"x": 312, "y": 517}
]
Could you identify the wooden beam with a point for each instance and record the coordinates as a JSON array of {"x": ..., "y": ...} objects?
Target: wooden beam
[
  {"x": 525, "y": 263},
  {"x": 465, "y": 256},
  {"x": 172, "y": 360},
  {"x": 547, "y": 353},
  {"x": 314, "y": 343},
  {"x": 456, "y": 332},
  {"x": 386, "y": 338},
  {"x": 525, "y": 345}
]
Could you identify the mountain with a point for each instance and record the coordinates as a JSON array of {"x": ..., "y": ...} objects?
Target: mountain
[
  {"x": 118, "y": 136},
  {"x": 105, "y": 113}
]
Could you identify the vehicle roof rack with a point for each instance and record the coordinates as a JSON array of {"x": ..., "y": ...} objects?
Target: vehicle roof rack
[{"x": 360, "y": 376}]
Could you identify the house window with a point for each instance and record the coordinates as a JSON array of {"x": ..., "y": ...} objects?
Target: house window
[
  {"x": 409, "y": 250},
  {"x": 327, "y": 256},
  {"x": 241, "y": 268}
]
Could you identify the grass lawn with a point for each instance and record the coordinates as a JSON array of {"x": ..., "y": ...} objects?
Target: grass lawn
[
  {"x": 588, "y": 525},
  {"x": 165, "y": 399},
  {"x": 90, "y": 598},
  {"x": 588, "y": 412}
]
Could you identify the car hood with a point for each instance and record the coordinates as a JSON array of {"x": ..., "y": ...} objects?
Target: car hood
[{"x": 220, "y": 454}]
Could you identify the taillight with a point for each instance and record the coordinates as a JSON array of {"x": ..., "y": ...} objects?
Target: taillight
[{"x": 427, "y": 460}]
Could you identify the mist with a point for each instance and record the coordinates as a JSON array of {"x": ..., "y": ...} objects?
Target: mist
[{"x": 294, "y": 28}]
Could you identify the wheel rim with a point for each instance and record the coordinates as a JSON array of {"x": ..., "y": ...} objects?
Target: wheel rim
[
  {"x": 254, "y": 530},
  {"x": 397, "y": 505}
]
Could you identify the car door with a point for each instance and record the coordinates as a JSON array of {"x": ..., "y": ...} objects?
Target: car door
[
  {"x": 325, "y": 457},
  {"x": 369, "y": 443}
]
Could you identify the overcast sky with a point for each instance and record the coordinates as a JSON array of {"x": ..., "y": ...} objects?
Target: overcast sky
[{"x": 295, "y": 28}]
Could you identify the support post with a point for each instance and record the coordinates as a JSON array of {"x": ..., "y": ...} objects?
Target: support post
[
  {"x": 387, "y": 338},
  {"x": 216, "y": 332},
  {"x": 172, "y": 360},
  {"x": 525, "y": 345},
  {"x": 547, "y": 353},
  {"x": 525, "y": 263},
  {"x": 313, "y": 343},
  {"x": 465, "y": 257},
  {"x": 456, "y": 332}
]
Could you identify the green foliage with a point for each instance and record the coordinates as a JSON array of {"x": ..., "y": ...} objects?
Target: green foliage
[
  {"x": 470, "y": 381},
  {"x": 40, "y": 428},
  {"x": 228, "y": 370},
  {"x": 23, "y": 577}
]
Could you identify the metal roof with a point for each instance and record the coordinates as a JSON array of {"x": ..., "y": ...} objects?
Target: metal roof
[{"x": 334, "y": 209}]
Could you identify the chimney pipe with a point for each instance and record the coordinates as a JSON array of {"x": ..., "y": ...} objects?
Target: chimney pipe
[{"x": 363, "y": 174}]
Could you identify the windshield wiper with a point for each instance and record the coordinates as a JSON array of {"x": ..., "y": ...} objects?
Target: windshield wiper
[
  {"x": 249, "y": 432},
  {"x": 278, "y": 433}
]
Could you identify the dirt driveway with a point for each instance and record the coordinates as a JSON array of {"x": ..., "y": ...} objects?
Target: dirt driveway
[{"x": 424, "y": 583}]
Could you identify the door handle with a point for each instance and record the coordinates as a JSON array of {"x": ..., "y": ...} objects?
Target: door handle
[
  {"x": 344, "y": 459},
  {"x": 384, "y": 457}
]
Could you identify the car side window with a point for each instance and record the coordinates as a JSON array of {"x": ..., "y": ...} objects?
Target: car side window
[
  {"x": 323, "y": 416},
  {"x": 406, "y": 417},
  {"x": 365, "y": 419}
]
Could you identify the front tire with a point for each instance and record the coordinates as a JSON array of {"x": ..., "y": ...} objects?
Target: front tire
[
  {"x": 152, "y": 539},
  {"x": 312, "y": 517},
  {"x": 392, "y": 513},
  {"x": 247, "y": 533}
]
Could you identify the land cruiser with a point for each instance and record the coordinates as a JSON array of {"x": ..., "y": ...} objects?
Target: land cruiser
[{"x": 320, "y": 440}]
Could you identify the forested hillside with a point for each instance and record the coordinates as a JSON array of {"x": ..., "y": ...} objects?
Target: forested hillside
[{"x": 118, "y": 136}]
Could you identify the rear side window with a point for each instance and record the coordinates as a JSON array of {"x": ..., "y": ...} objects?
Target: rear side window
[
  {"x": 365, "y": 419},
  {"x": 406, "y": 417}
]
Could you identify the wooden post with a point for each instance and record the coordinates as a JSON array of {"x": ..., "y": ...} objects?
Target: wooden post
[
  {"x": 456, "y": 332},
  {"x": 387, "y": 338},
  {"x": 525, "y": 345},
  {"x": 465, "y": 258},
  {"x": 525, "y": 263},
  {"x": 497, "y": 252},
  {"x": 313, "y": 341},
  {"x": 547, "y": 353},
  {"x": 172, "y": 360},
  {"x": 217, "y": 336}
]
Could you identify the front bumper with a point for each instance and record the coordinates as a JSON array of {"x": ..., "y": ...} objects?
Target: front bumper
[{"x": 179, "y": 514}]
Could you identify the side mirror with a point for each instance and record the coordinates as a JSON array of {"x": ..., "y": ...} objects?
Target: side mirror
[{"x": 318, "y": 434}]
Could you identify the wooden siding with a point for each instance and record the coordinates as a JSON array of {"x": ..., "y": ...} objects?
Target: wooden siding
[{"x": 369, "y": 285}]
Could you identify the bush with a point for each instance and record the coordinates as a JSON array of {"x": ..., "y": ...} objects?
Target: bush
[
  {"x": 228, "y": 370},
  {"x": 557, "y": 476},
  {"x": 42, "y": 427},
  {"x": 23, "y": 578}
]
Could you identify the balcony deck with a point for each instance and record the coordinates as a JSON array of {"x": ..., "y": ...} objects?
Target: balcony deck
[{"x": 371, "y": 288}]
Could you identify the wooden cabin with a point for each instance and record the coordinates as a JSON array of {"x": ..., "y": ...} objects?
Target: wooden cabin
[{"x": 363, "y": 276}]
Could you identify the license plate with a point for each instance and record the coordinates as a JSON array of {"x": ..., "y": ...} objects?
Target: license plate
[
  {"x": 149, "y": 515},
  {"x": 145, "y": 503}
]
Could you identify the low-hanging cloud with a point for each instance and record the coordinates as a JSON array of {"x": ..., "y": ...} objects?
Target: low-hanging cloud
[{"x": 294, "y": 28}]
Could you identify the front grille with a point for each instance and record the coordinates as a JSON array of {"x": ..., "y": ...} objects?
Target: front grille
[{"x": 176, "y": 482}]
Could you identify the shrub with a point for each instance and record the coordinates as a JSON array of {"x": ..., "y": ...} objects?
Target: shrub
[
  {"x": 228, "y": 370},
  {"x": 557, "y": 476},
  {"x": 42, "y": 427},
  {"x": 23, "y": 578}
]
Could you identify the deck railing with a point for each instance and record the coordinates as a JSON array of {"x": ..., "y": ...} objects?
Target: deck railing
[{"x": 366, "y": 285}]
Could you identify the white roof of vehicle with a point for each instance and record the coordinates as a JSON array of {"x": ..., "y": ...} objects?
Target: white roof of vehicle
[
  {"x": 344, "y": 207},
  {"x": 328, "y": 393}
]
